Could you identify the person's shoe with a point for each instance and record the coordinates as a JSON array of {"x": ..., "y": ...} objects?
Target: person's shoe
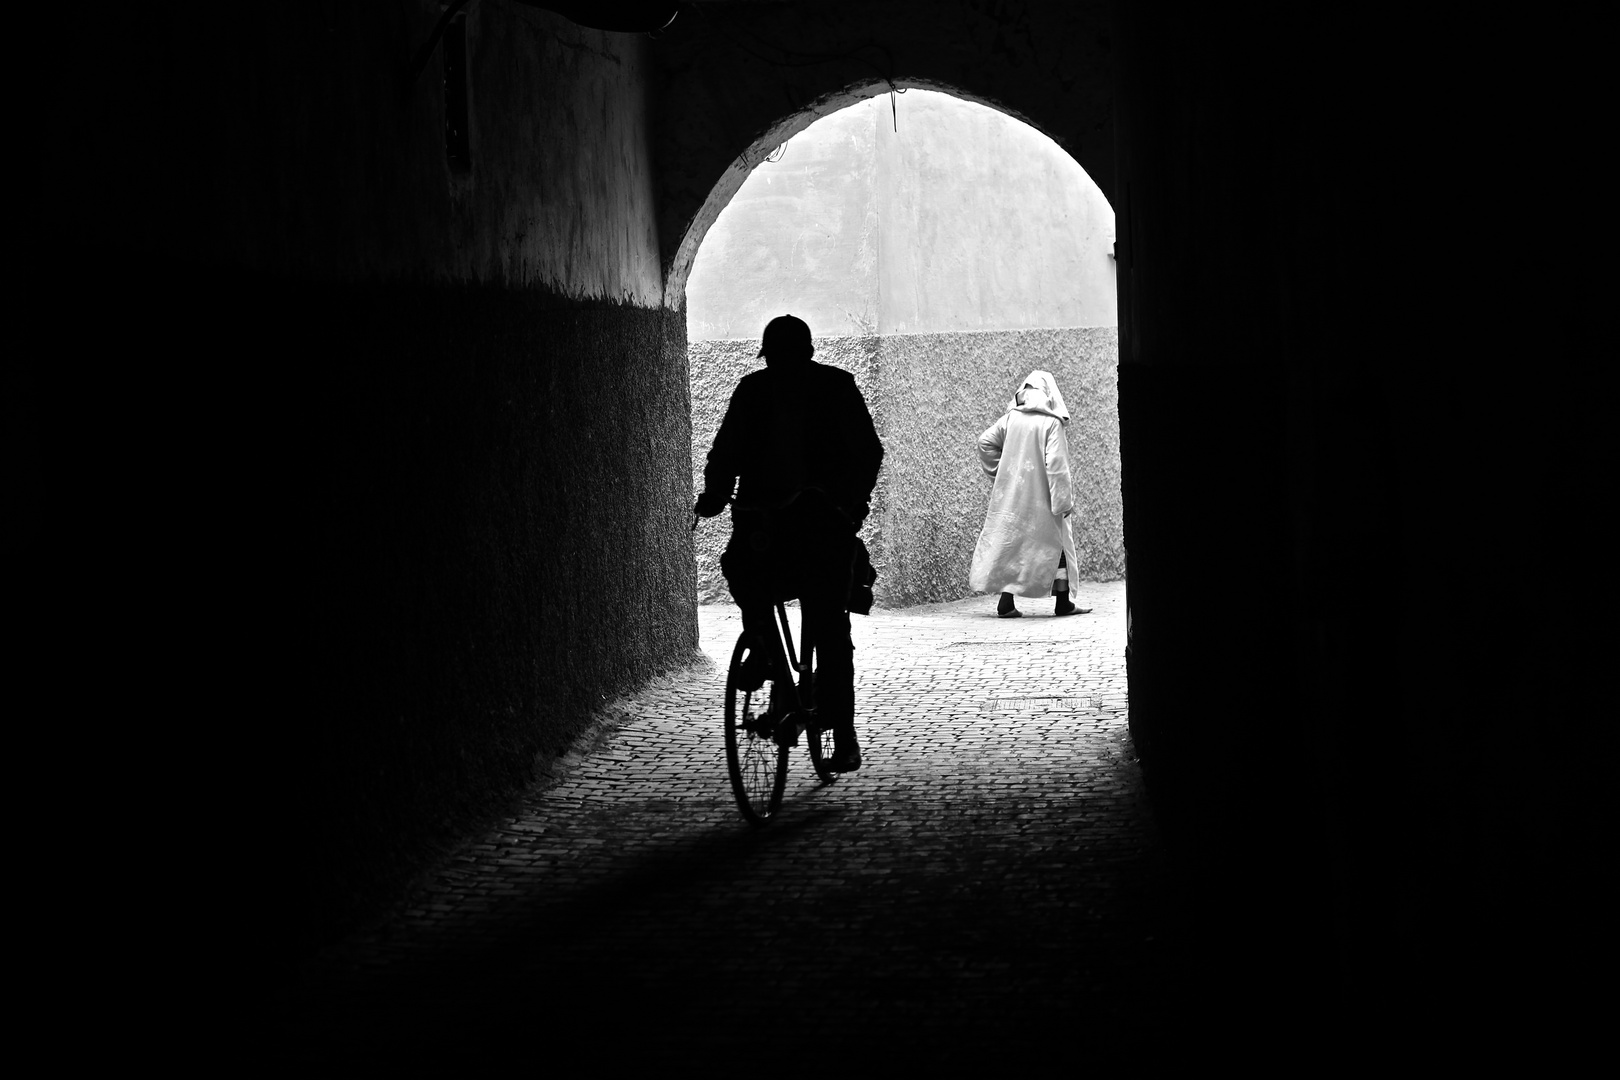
[
  {"x": 751, "y": 675},
  {"x": 845, "y": 759},
  {"x": 1010, "y": 613},
  {"x": 1064, "y": 607}
]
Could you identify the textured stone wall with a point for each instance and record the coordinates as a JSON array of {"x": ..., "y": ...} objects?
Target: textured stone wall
[
  {"x": 941, "y": 391},
  {"x": 404, "y": 479},
  {"x": 931, "y": 395},
  {"x": 480, "y": 525}
]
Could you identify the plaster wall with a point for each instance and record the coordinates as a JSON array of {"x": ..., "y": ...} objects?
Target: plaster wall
[
  {"x": 985, "y": 224},
  {"x": 802, "y": 236},
  {"x": 963, "y": 219}
]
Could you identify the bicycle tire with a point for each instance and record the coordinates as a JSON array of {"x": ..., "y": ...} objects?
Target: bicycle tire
[
  {"x": 820, "y": 755},
  {"x": 758, "y": 766}
]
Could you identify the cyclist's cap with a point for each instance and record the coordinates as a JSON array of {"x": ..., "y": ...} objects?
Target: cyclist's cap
[{"x": 786, "y": 335}]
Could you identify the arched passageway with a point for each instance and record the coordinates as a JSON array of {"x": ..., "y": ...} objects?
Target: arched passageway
[
  {"x": 989, "y": 877},
  {"x": 363, "y": 490},
  {"x": 939, "y": 250}
]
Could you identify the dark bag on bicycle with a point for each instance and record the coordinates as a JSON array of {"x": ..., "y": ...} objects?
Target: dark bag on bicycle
[{"x": 861, "y": 578}]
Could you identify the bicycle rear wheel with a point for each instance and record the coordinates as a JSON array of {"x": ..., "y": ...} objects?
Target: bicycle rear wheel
[{"x": 758, "y": 766}]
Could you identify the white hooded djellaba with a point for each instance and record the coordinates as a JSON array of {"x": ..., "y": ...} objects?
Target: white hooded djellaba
[{"x": 1026, "y": 527}]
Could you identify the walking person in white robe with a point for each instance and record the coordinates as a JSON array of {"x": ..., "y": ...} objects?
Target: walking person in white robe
[{"x": 1026, "y": 545}]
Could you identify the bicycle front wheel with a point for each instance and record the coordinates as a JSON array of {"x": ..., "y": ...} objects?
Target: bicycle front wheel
[
  {"x": 819, "y": 741},
  {"x": 758, "y": 766}
]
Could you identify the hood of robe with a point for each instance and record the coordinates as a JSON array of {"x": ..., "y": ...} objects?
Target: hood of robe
[{"x": 1046, "y": 398}]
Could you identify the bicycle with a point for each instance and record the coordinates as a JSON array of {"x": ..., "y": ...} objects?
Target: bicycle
[
  {"x": 763, "y": 724},
  {"x": 758, "y": 740}
]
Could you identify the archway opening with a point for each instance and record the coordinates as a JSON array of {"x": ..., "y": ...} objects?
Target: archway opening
[{"x": 940, "y": 250}]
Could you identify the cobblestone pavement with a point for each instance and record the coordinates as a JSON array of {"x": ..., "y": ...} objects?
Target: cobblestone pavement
[{"x": 988, "y": 886}]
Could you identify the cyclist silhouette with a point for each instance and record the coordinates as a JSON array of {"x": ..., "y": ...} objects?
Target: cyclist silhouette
[{"x": 799, "y": 446}]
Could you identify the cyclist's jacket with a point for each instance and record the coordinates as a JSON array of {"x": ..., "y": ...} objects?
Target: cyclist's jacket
[{"x": 786, "y": 430}]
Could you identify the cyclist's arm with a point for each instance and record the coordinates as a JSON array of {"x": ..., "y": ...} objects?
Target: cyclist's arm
[{"x": 724, "y": 463}]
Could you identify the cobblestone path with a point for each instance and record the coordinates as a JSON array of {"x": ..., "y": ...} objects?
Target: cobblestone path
[{"x": 988, "y": 887}]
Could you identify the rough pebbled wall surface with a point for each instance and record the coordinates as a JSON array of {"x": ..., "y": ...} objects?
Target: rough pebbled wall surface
[
  {"x": 931, "y": 395},
  {"x": 482, "y": 499},
  {"x": 405, "y": 481},
  {"x": 942, "y": 390}
]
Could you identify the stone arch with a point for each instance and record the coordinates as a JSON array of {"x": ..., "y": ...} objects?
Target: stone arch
[{"x": 741, "y": 79}]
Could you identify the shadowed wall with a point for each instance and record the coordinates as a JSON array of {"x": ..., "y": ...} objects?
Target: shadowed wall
[
  {"x": 488, "y": 548},
  {"x": 410, "y": 461}
]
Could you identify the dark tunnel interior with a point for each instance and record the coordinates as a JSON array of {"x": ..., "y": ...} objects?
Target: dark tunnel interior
[{"x": 358, "y": 437}]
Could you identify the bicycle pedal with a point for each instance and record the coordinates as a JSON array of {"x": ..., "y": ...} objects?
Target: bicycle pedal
[{"x": 787, "y": 732}]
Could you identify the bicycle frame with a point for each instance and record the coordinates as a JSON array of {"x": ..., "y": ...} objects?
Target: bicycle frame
[
  {"x": 799, "y": 666},
  {"x": 758, "y": 739}
]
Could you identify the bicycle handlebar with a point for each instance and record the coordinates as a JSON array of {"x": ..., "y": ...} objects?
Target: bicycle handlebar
[{"x": 783, "y": 505}]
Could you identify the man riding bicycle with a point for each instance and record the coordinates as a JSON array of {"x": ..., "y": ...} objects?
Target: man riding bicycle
[{"x": 799, "y": 446}]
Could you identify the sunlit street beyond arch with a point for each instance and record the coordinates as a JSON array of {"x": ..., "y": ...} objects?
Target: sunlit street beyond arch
[{"x": 939, "y": 250}]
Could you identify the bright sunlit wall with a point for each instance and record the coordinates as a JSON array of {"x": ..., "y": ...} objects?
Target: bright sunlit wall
[{"x": 939, "y": 263}]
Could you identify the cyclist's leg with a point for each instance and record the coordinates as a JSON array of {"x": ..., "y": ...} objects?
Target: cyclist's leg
[
  {"x": 835, "y": 668},
  {"x": 827, "y": 617},
  {"x": 746, "y": 570}
]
